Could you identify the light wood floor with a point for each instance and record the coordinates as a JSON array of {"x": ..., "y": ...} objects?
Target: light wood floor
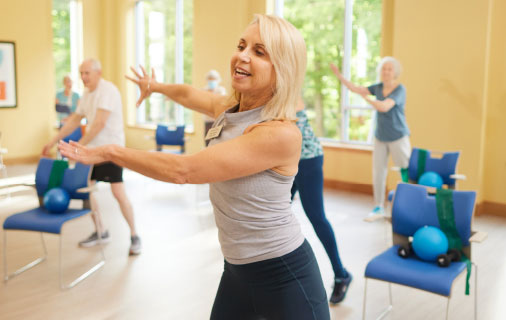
[{"x": 177, "y": 274}]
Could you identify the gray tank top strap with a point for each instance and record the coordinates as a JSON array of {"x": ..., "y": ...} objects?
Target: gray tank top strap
[{"x": 253, "y": 214}]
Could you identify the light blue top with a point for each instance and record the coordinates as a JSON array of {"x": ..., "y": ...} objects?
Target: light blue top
[
  {"x": 71, "y": 103},
  {"x": 391, "y": 125},
  {"x": 311, "y": 147}
]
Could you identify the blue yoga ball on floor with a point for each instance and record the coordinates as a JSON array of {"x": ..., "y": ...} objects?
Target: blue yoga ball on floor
[
  {"x": 56, "y": 200},
  {"x": 431, "y": 179},
  {"x": 429, "y": 242}
]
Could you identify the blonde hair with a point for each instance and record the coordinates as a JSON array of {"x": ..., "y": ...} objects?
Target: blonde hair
[{"x": 287, "y": 51}]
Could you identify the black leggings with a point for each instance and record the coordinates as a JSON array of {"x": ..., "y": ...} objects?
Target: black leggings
[{"x": 289, "y": 287}]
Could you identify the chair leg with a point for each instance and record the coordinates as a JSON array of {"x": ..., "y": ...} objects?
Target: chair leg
[
  {"x": 448, "y": 308},
  {"x": 475, "y": 291},
  {"x": 390, "y": 306},
  {"x": 82, "y": 276},
  {"x": 365, "y": 296},
  {"x": 30, "y": 265}
]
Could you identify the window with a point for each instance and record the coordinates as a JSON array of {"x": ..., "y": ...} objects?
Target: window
[
  {"x": 346, "y": 33},
  {"x": 67, "y": 41},
  {"x": 164, "y": 43}
]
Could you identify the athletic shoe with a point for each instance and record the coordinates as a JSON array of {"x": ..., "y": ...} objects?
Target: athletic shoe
[
  {"x": 341, "y": 286},
  {"x": 135, "y": 247},
  {"x": 93, "y": 240},
  {"x": 376, "y": 211}
]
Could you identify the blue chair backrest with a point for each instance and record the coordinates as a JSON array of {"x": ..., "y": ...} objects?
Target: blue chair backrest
[
  {"x": 413, "y": 208},
  {"x": 445, "y": 166},
  {"x": 73, "y": 179},
  {"x": 76, "y": 135},
  {"x": 166, "y": 135}
]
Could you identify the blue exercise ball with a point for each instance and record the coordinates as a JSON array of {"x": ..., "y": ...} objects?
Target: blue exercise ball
[
  {"x": 56, "y": 200},
  {"x": 431, "y": 179},
  {"x": 429, "y": 242}
]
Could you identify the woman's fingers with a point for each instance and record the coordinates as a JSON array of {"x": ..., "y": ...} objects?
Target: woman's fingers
[
  {"x": 135, "y": 72},
  {"x": 153, "y": 73},
  {"x": 132, "y": 79},
  {"x": 144, "y": 71}
]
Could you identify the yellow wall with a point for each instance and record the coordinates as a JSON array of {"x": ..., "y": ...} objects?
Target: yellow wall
[
  {"x": 494, "y": 176},
  {"x": 456, "y": 89},
  {"x": 453, "y": 60},
  {"x": 26, "y": 129}
]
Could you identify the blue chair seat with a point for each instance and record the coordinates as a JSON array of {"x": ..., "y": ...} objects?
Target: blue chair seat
[
  {"x": 413, "y": 272},
  {"x": 39, "y": 219}
]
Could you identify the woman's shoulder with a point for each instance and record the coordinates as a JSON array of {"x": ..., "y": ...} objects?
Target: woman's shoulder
[
  {"x": 277, "y": 131},
  {"x": 400, "y": 87}
]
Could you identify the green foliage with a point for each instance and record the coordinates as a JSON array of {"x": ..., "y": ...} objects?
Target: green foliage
[
  {"x": 321, "y": 23},
  {"x": 61, "y": 40}
]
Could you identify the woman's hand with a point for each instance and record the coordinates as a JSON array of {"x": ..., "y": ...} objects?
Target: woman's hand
[
  {"x": 78, "y": 152},
  {"x": 145, "y": 83},
  {"x": 336, "y": 71}
]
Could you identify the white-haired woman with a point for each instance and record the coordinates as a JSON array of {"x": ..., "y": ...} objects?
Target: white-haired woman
[
  {"x": 270, "y": 270},
  {"x": 213, "y": 79},
  {"x": 392, "y": 132}
]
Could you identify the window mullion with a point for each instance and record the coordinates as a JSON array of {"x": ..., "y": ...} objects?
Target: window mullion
[{"x": 346, "y": 66}]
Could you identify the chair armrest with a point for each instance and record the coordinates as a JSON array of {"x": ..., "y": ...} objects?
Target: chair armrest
[
  {"x": 32, "y": 185},
  {"x": 478, "y": 236},
  {"x": 87, "y": 189},
  {"x": 457, "y": 176}
]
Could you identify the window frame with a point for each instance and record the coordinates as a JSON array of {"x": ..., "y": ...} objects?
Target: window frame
[
  {"x": 178, "y": 66},
  {"x": 345, "y": 106}
]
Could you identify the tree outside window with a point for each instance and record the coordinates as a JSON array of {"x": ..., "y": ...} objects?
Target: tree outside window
[{"x": 322, "y": 24}]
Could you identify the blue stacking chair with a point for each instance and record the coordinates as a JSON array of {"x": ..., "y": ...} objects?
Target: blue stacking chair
[
  {"x": 40, "y": 220},
  {"x": 445, "y": 166},
  {"x": 170, "y": 136},
  {"x": 76, "y": 135},
  {"x": 412, "y": 209}
]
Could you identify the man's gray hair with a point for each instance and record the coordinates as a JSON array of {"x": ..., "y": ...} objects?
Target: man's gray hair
[{"x": 95, "y": 64}]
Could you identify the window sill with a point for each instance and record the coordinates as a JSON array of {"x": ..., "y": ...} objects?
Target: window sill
[{"x": 334, "y": 144}]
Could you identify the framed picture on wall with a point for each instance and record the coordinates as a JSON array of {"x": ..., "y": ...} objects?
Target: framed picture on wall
[{"x": 8, "y": 90}]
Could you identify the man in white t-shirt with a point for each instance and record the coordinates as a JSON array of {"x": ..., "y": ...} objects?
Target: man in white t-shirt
[{"x": 101, "y": 106}]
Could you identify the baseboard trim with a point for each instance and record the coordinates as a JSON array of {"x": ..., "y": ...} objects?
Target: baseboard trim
[
  {"x": 348, "y": 186},
  {"x": 21, "y": 160},
  {"x": 491, "y": 208}
]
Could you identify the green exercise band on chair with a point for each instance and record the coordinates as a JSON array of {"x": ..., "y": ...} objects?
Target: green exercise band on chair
[
  {"x": 446, "y": 217},
  {"x": 422, "y": 159},
  {"x": 57, "y": 172}
]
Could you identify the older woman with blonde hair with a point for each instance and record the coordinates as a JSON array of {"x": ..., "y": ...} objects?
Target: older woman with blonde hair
[{"x": 270, "y": 269}]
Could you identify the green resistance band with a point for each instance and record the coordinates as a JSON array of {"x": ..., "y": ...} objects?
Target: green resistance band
[
  {"x": 422, "y": 159},
  {"x": 446, "y": 217},
  {"x": 57, "y": 172}
]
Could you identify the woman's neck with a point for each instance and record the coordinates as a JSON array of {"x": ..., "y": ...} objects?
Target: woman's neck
[
  {"x": 389, "y": 84},
  {"x": 67, "y": 92},
  {"x": 251, "y": 102}
]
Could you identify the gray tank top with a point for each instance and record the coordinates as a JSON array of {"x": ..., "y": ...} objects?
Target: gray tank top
[{"x": 253, "y": 214}]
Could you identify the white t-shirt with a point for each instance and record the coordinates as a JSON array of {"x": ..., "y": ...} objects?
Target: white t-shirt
[{"x": 107, "y": 97}]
